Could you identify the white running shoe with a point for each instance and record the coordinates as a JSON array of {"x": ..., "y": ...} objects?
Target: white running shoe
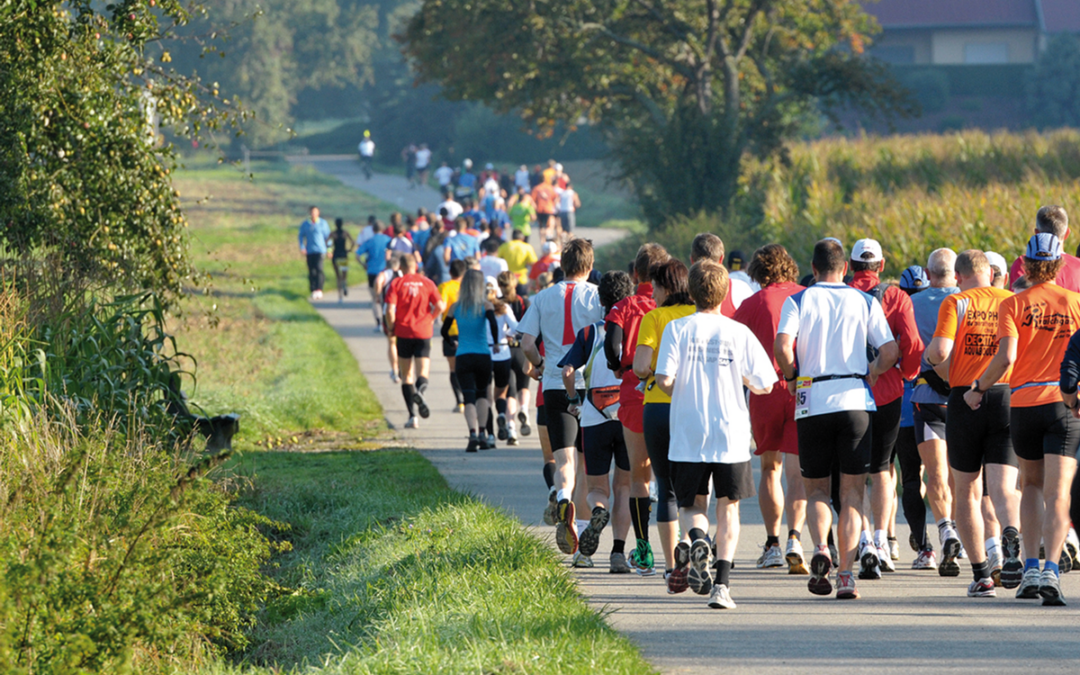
[
  {"x": 771, "y": 557},
  {"x": 720, "y": 598},
  {"x": 894, "y": 550},
  {"x": 1072, "y": 545},
  {"x": 581, "y": 561},
  {"x": 869, "y": 563},
  {"x": 1029, "y": 584},
  {"x": 795, "y": 558},
  {"x": 884, "y": 559},
  {"x": 926, "y": 560},
  {"x": 413, "y": 423}
]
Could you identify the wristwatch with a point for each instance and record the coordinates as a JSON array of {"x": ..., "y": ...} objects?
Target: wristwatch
[{"x": 975, "y": 387}]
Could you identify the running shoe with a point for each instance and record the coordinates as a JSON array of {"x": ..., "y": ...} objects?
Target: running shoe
[
  {"x": 993, "y": 562},
  {"x": 834, "y": 555},
  {"x": 581, "y": 561},
  {"x": 885, "y": 563},
  {"x": 845, "y": 587},
  {"x": 983, "y": 588},
  {"x": 474, "y": 445},
  {"x": 677, "y": 578},
  {"x": 962, "y": 555},
  {"x": 720, "y": 598},
  {"x": 617, "y": 564},
  {"x": 589, "y": 539},
  {"x": 421, "y": 404},
  {"x": 950, "y": 549},
  {"x": 869, "y": 563},
  {"x": 641, "y": 559},
  {"x": 1065, "y": 562},
  {"x": 820, "y": 566},
  {"x": 1072, "y": 545},
  {"x": 413, "y": 423},
  {"x": 1029, "y": 584},
  {"x": 512, "y": 440},
  {"x": 526, "y": 428},
  {"x": 926, "y": 560},
  {"x": 459, "y": 408},
  {"x": 1050, "y": 590},
  {"x": 913, "y": 543},
  {"x": 894, "y": 549},
  {"x": 794, "y": 557},
  {"x": 551, "y": 511},
  {"x": 1012, "y": 567},
  {"x": 491, "y": 441},
  {"x": 770, "y": 557},
  {"x": 698, "y": 577},
  {"x": 501, "y": 422},
  {"x": 565, "y": 537}
]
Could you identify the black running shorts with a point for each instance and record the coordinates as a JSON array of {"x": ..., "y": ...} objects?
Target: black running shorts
[
  {"x": 603, "y": 443},
  {"x": 541, "y": 416},
  {"x": 884, "y": 428},
  {"x": 474, "y": 376},
  {"x": 929, "y": 422},
  {"x": 979, "y": 437},
  {"x": 1048, "y": 429},
  {"x": 500, "y": 370},
  {"x": 409, "y": 348},
  {"x": 518, "y": 368},
  {"x": 733, "y": 481},
  {"x": 449, "y": 347},
  {"x": 841, "y": 437},
  {"x": 562, "y": 426}
]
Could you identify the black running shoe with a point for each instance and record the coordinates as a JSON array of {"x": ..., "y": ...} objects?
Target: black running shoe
[
  {"x": 589, "y": 539},
  {"x": 502, "y": 434},
  {"x": 818, "y": 584},
  {"x": 421, "y": 404},
  {"x": 698, "y": 576},
  {"x": 948, "y": 566},
  {"x": 474, "y": 444},
  {"x": 1012, "y": 568}
]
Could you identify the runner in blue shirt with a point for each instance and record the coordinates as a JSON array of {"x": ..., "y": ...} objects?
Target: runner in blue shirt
[{"x": 375, "y": 251}]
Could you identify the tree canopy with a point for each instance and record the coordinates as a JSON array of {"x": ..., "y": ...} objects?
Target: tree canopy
[{"x": 684, "y": 88}]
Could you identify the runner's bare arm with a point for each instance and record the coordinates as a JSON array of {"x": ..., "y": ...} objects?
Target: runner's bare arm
[
  {"x": 666, "y": 383},
  {"x": 532, "y": 355},
  {"x": 643, "y": 362},
  {"x": 937, "y": 355},
  {"x": 1002, "y": 361},
  {"x": 888, "y": 355},
  {"x": 784, "y": 351}
]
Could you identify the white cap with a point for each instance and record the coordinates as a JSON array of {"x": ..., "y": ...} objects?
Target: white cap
[
  {"x": 867, "y": 250},
  {"x": 997, "y": 260},
  {"x": 548, "y": 247},
  {"x": 558, "y": 167},
  {"x": 494, "y": 284}
]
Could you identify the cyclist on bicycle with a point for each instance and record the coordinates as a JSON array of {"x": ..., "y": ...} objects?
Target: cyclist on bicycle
[
  {"x": 342, "y": 243},
  {"x": 367, "y": 153}
]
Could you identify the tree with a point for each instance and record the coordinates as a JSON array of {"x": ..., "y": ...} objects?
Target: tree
[
  {"x": 1054, "y": 87},
  {"x": 683, "y": 88},
  {"x": 85, "y": 177}
]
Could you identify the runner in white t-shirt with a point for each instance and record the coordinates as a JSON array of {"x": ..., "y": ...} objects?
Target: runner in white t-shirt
[
  {"x": 561, "y": 311},
  {"x": 832, "y": 324},
  {"x": 705, "y": 360},
  {"x": 444, "y": 174}
]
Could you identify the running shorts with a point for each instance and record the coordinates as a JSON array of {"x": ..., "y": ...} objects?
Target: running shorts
[
  {"x": 979, "y": 437},
  {"x": 474, "y": 375},
  {"x": 884, "y": 427},
  {"x": 541, "y": 415},
  {"x": 518, "y": 365},
  {"x": 603, "y": 443},
  {"x": 772, "y": 420},
  {"x": 929, "y": 422},
  {"x": 500, "y": 372},
  {"x": 1048, "y": 429},
  {"x": 449, "y": 347},
  {"x": 631, "y": 404},
  {"x": 841, "y": 438},
  {"x": 690, "y": 479},
  {"x": 371, "y": 281},
  {"x": 568, "y": 220},
  {"x": 410, "y": 348},
  {"x": 656, "y": 420},
  {"x": 562, "y": 426}
]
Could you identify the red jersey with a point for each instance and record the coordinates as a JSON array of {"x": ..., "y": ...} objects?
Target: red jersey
[
  {"x": 545, "y": 198},
  {"x": 1068, "y": 278},
  {"x": 415, "y": 298},
  {"x": 901, "y": 318},
  {"x": 626, "y": 314},
  {"x": 761, "y": 313},
  {"x": 542, "y": 265}
]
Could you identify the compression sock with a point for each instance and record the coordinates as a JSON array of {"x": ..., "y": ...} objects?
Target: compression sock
[
  {"x": 771, "y": 541},
  {"x": 490, "y": 423},
  {"x": 829, "y": 540},
  {"x": 549, "y": 474},
  {"x": 1053, "y": 567},
  {"x": 500, "y": 406},
  {"x": 640, "y": 508},
  {"x": 723, "y": 572},
  {"x": 696, "y": 533},
  {"x": 980, "y": 570},
  {"x": 407, "y": 393},
  {"x": 793, "y": 534},
  {"x": 421, "y": 384},
  {"x": 1031, "y": 564},
  {"x": 618, "y": 546},
  {"x": 456, "y": 386}
]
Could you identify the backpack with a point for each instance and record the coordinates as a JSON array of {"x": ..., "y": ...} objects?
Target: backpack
[{"x": 877, "y": 292}]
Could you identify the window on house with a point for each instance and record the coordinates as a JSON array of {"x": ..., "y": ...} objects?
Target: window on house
[
  {"x": 986, "y": 52},
  {"x": 895, "y": 53}
]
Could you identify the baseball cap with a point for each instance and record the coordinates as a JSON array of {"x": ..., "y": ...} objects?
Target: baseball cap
[
  {"x": 996, "y": 260},
  {"x": 1043, "y": 247},
  {"x": 866, "y": 250},
  {"x": 493, "y": 285},
  {"x": 548, "y": 247},
  {"x": 735, "y": 260},
  {"x": 914, "y": 279}
]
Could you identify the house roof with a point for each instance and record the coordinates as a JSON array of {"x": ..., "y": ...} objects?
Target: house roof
[
  {"x": 1060, "y": 16},
  {"x": 900, "y": 14}
]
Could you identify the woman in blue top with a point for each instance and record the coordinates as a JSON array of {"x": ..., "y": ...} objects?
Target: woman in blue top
[{"x": 475, "y": 318}]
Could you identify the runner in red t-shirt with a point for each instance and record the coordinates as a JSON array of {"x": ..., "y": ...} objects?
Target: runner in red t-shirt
[
  {"x": 412, "y": 303},
  {"x": 772, "y": 417},
  {"x": 622, "y": 324}
]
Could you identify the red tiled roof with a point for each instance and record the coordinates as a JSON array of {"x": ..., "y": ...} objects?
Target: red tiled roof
[
  {"x": 1061, "y": 16},
  {"x": 960, "y": 13}
]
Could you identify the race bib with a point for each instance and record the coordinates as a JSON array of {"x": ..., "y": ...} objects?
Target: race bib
[{"x": 802, "y": 397}]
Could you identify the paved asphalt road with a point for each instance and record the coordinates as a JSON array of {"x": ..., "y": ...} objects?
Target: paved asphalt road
[{"x": 908, "y": 622}]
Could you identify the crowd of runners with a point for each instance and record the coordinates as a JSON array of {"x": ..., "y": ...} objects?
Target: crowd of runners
[{"x": 958, "y": 381}]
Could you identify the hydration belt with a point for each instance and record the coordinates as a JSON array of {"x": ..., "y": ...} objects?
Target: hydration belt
[
  {"x": 1034, "y": 384},
  {"x": 826, "y": 378}
]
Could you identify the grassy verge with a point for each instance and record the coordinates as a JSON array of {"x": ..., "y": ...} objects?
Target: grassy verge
[
  {"x": 262, "y": 349},
  {"x": 396, "y": 573}
]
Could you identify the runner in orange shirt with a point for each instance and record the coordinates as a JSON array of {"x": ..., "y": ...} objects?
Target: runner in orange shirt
[
  {"x": 1034, "y": 328},
  {"x": 964, "y": 343}
]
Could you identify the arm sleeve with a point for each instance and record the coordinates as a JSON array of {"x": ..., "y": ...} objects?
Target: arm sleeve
[
  {"x": 946, "y": 319},
  {"x": 667, "y": 359},
  {"x": 613, "y": 342},
  {"x": 447, "y": 324},
  {"x": 493, "y": 325},
  {"x": 1070, "y": 365},
  {"x": 578, "y": 354},
  {"x": 530, "y": 323}
]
